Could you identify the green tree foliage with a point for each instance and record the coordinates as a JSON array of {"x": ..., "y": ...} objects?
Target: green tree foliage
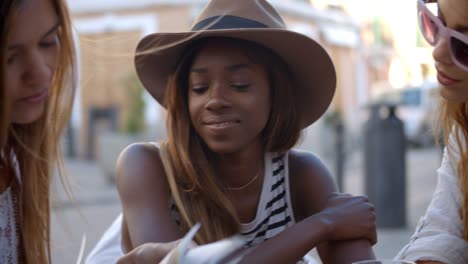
[{"x": 135, "y": 121}]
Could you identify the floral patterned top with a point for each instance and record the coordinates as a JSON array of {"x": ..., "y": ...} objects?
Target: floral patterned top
[
  {"x": 9, "y": 241},
  {"x": 9, "y": 221}
]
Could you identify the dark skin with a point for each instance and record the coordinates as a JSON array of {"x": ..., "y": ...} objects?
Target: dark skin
[{"x": 229, "y": 106}]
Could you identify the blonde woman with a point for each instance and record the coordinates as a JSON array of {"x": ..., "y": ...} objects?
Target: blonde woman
[
  {"x": 442, "y": 234},
  {"x": 36, "y": 77}
]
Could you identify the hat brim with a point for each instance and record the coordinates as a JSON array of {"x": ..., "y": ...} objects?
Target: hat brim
[{"x": 313, "y": 72}]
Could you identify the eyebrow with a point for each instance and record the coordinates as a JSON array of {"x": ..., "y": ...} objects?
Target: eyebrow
[
  {"x": 461, "y": 28},
  {"x": 49, "y": 32},
  {"x": 457, "y": 27},
  {"x": 231, "y": 68}
]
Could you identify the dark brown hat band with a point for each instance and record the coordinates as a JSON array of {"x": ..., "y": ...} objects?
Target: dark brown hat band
[{"x": 227, "y": 22}]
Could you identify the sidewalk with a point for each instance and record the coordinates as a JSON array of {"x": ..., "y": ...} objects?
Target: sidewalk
[
  {"x": 420, "y": 184},
  {"x": 97, "y": 204}
]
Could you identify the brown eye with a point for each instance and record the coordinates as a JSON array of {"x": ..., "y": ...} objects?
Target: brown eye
[
  {"x": 11, "y": 59},
  {"x": 241, "y": 87},
  {"x": 199, "y": 89}
]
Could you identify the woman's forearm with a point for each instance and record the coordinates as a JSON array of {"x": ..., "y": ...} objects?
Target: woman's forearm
[
  {"x": 148, "y": 253},
  {"x": 347, "y": 251},
  {"x": 290, "y": 245}
]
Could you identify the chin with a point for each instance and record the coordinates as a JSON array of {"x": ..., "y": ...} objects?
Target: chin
[
  {"x": 27, "y": 116},
  {"x": 222, "y": 147},
  {"x": 454, "y": 94}
]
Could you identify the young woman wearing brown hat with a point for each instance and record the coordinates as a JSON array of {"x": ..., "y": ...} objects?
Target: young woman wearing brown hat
[
  {"x": 37, "y": 95},
  {"x": 238, "y": 89},
  {"x": 442, "y": 234}
]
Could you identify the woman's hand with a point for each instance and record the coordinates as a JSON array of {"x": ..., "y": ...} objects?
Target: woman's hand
[
  {"x": 148, "y": 253},
  {"x": 349, "y": 217}
]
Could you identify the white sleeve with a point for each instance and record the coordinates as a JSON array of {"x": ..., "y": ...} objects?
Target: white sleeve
[
  {"x": 108, "y": 249},
  {"x": 438, "y": 236}
]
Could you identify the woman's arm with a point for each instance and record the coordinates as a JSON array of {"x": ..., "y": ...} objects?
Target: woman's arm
[
  {"x": 295, "y": 242},
  {"x": 144, "y": 195},
  {"x": 312, "y": 185},
  {"x": 346, "y": 251},
  {"x": 341, "y": 218},
  {"x": 148, "y": 253}
]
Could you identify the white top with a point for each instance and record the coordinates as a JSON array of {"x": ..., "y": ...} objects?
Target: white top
[
  {"x": 9, "y": 236},
  {"x": 108, "y": 249},
  {"x": 438, "y": 236}
]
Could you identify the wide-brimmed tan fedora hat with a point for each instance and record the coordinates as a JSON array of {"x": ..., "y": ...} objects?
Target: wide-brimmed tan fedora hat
[{"x": 252, "y": 20}]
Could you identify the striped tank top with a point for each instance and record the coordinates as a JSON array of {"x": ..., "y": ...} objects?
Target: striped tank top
[{"x": 274, "y": 210}]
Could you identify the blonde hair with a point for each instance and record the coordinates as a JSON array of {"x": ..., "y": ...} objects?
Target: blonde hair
[
  {"x": 453, "y": 121},
  {"x": 36, "y": 146},
  {"x": 187, "y": 160}
]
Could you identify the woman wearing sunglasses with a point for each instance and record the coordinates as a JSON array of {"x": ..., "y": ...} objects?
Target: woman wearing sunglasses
[{"x": 442, "y": 234}]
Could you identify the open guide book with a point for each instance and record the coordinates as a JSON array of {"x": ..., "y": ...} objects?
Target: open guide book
[{"x": 227, "y": 251}]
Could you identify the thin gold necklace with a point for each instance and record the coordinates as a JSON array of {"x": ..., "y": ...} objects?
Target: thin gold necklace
[{"x": 247, "y": 184}]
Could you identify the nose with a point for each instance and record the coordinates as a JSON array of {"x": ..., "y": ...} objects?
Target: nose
[
  {"x": 217, "y": 98},
  {"x": 38, "y": 69},
  {"x": 441, "y": 52}
]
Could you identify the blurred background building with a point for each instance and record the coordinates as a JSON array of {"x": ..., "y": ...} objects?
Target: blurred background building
[
  {"x": 374, "y": 44},
  {"x": 108, "y": 31}
]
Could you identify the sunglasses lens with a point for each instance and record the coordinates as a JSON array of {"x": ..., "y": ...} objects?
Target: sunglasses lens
[
  {"x": 429, "y": 27},
  {"x": 460, "y": 50}
]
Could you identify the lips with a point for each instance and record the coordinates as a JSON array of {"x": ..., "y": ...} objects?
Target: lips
[
  {"x": 37, "y": 97},
  {"x": 445, "y": 80},
  {"x": 220, "y": 124}
]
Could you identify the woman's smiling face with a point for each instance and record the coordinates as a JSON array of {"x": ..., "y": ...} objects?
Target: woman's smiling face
[
  {"x": 454, "y": 81},
  {"x": 229, "y": 97}
]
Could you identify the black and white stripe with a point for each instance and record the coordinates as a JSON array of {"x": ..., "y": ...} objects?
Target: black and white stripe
[{"x": 274, "y": 214}]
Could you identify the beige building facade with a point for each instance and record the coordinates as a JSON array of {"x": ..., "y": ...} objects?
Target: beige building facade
[{"x": 108, "y": 31}]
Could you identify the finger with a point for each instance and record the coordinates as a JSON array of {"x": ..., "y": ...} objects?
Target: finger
[
  {"x": 374, "y": 238},
  {"x": 126, "y": 259},
  {"x": 340, "y": 194},
  {"x": 371, "y": 237},
  {"x": 363, "y": 198}
]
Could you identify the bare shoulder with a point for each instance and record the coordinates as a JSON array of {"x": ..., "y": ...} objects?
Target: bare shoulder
[
  {"x": 311, "y": 183},
  {"x": 144, "y": 195},
  {"x": 139, "y": 168}
]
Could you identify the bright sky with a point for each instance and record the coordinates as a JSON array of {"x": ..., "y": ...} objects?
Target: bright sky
[{"x": 401, "y": 17}]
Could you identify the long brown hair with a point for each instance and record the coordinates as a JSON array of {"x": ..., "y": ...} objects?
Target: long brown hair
[
  {"x": 5, "y": 6},
  {"x": 453, "y": 120},
  {"x": 187, "y": 160},
  {"x": 36, "y": 146}
]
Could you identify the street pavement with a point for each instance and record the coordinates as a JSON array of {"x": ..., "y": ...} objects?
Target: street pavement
[{"x": 96, "y": 203}]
